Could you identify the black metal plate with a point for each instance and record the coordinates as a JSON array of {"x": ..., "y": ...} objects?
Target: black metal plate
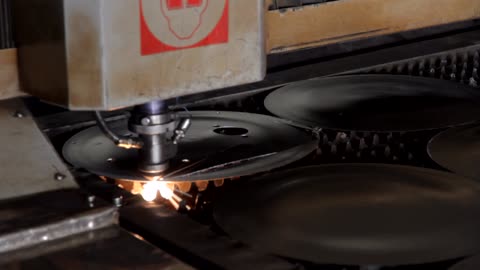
[
  {"x": 257, "y": 143},
  {"x": 458, "y": 150},
  {"x": 356, "y": 214},
  {"x": 376, "y": 103}
]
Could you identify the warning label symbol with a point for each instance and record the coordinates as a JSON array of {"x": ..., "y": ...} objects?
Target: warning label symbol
[{"x": 169, "y": 25}]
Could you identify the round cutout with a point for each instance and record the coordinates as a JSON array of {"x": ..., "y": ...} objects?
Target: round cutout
[{"x": 231, "y": 131}]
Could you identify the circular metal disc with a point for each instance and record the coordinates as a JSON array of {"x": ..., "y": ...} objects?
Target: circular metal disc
[
  {"x": 458, "y": 150},
  {"x": 356, "y": 214},
  {"x": 222, "y": 144},
  {"x": 376, "y": 103}
]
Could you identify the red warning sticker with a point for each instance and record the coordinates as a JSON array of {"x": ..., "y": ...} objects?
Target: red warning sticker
[{"x": 170, "y": 25}]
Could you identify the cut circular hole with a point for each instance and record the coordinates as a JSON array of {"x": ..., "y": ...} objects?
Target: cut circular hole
[{"x": 231, "y": 131}]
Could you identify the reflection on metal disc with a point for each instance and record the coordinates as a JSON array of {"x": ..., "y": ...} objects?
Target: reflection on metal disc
[
  {"x": 471, "y": 263},
  {"x": 376, "y": 103},
  {"x": 356, "y": 214},
  {"x": 458, "y": 150},
  {"x": 223, "y": 144}
]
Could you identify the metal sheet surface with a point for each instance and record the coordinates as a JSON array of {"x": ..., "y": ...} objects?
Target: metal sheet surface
[
  {"x": 197, "y": 242},
  {"x": 376, "y": 103},
  {"x": 50, "y": 216},
  {"x": 106, "y": 249},
  {"x": 458, "y": 150},
  {"x": 28, "y": 163},
  {"x": 356, "y": 214},
  {"x": 222, "y": 144}
]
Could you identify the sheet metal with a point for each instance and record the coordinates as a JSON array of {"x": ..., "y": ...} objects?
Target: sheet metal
[
  {"x": 218, "y": 145},
  {"x": 28, "y": 163},
  {"x": 376, "y": 103},
  {"x": 198, "y": 243},
  {"x": 50, "y": 216},
  {"x": 107, "y": 249},
  {"x": 355, "y": 214}
]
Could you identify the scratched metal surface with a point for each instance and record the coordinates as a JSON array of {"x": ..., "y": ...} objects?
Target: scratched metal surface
[
  {"x": 49, "y": 216},
  {"x": 107, "y": 249}
]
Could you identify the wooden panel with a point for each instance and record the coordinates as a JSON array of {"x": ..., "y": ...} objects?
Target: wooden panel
[
  {"x": 333, "y": 22},
  {"x": 9, "y": 85}
]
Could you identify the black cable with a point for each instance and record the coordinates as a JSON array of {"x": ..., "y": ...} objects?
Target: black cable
[
  {"x": 105, "y": 129},
  {"x": 124, "y": 142}
]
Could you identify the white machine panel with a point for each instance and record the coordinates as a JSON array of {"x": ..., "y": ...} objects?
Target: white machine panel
[{"x": 121, "y": 53}]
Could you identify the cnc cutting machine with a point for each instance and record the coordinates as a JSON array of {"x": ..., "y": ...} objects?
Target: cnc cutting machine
[{"x": 233, "y": 112}]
